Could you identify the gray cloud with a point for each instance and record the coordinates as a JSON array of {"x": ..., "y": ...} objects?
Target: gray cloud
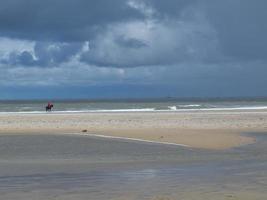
[
  {"x": 61, "y": 20},
  {"x": 53, "y": 53},
  {"x": 44, "y": 54},
  {"x": 130, "y": 42},
  {"x": 184, "y": 43},
  {"x": 241, "y": 27},
  {"x": 165, "y": 42},
  {"x": 170, "y": 8},
  {"x": 24, "y": 58}
]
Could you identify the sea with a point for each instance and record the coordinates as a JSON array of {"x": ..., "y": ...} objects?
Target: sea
[{"x": 133, "y": 105}]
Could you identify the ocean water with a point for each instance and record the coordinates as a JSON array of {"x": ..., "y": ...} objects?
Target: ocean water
[{"x": 133, "y": 105}]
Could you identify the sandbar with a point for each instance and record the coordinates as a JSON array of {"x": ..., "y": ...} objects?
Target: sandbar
[{"x": 217, "y": 130}]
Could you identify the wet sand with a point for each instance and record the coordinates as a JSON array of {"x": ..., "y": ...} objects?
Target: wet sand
[
  {"x": 79, "y": 167},
  {"x": 197, "y": 129}
]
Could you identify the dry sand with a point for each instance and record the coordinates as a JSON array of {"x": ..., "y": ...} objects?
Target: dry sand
[{"x": 197, "y": 129}]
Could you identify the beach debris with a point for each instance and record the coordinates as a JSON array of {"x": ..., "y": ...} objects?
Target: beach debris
[
  {"x": 84, "y": 130},
  {"x": 229, "y": 196}
]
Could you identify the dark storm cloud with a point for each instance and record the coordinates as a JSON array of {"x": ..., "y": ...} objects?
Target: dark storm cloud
[
  {"x": 193, "y": 45},
  {"x": 63, "y": 20},
  {"x": 112, "y": 29},
  {"x": 241, "y": 27},
  {"x": 72, "y": 20},
  {"x": 238, "y": 26}
]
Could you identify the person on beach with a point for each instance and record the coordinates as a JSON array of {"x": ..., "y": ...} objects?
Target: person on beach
[{"x": 49, "y": 106}]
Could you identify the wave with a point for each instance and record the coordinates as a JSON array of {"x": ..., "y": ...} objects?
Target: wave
[
  {"x": 170, "y": 109},
  {"x": 189, "y": 105},
  {"x": 184, "y": 106}
]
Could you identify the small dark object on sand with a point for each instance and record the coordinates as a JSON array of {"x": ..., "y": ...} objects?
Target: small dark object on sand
[{"x": 84, "y": 131}]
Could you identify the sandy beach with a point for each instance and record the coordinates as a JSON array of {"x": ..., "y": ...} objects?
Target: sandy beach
[
  {"x": 197, "y": 129},
  {"x": 51, "y": 156}
]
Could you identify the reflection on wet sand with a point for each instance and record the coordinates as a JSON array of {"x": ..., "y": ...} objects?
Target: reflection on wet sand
[{"x": 77, "y": 167}]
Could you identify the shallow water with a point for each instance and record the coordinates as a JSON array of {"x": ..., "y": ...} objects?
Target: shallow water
[{"x": 81, "y": 167}]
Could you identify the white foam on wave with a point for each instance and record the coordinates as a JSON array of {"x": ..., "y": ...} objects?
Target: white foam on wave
[
  {"x": 170, "y": 109},
  {"x": 189, "y": 105},
  {"x": 183, "y": 106}
]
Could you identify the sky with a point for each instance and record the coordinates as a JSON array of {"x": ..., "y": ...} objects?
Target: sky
[{"x": 132, "y": 48}]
